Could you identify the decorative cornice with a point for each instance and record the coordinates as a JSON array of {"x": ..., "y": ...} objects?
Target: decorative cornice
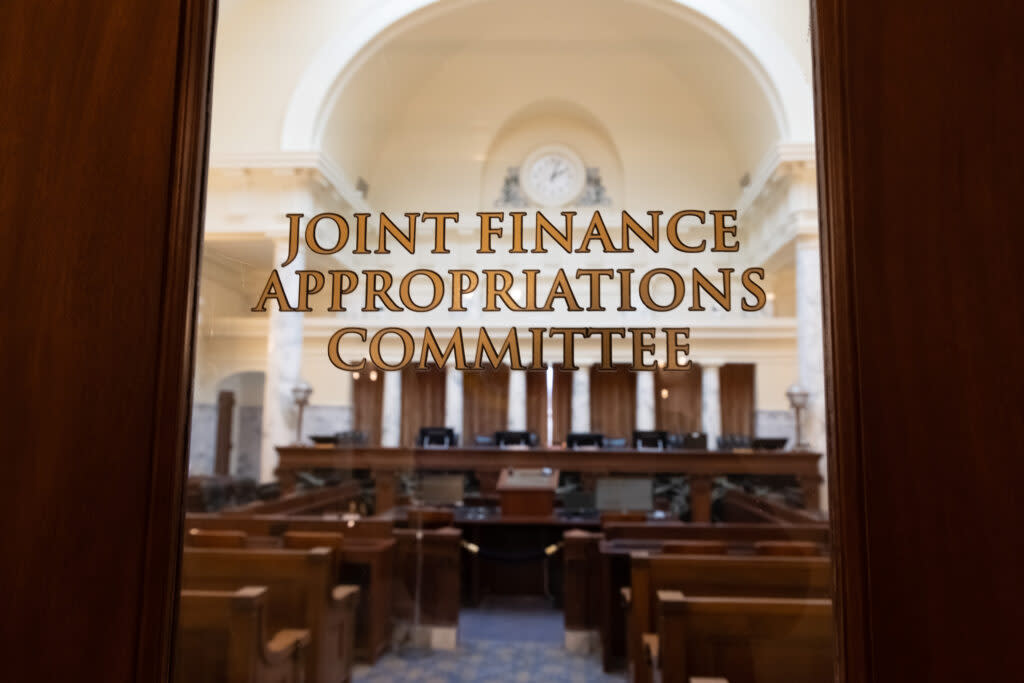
[
  {"x": 782, "y": 161},
  {"x": 321, "y": 168}
]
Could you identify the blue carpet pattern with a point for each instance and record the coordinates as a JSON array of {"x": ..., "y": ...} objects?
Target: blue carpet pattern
[
  {"x": 487, "y": 661},
  {"x": 502, "y": 640}
]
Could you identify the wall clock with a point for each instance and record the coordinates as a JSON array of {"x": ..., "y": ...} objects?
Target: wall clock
[{"x": 553, "y": 175}]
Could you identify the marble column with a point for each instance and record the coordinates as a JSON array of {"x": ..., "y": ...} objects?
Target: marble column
[
  {"x": 710, "y": 403},
  {"x": 645, "y": 400},
  {"x": 284, "y": 365},
  {"x": 391, "y": 412},
  {"x": 810, "y": 348},
  {"x": 517, "y": 400},
  {"x": 581, "y": 400},
  {"x": 453, "y": 400}
]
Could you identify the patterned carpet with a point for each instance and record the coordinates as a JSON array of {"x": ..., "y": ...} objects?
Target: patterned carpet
[
  {"x": 487, "y": 661},
  {"x": 509, "y": 641}
]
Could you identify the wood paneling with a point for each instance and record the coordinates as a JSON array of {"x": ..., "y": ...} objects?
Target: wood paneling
[
  {"x": 613, "y": 401},
  {"x": 368, "y": 404},
  {"x": 561, "y": 404},
  {"x": 680, "y": 410},
  {"x": 736, "y": 395},
  {"x": 484, "y": 402},
  {"x": 103, "y": 138},
  {"x": 537, "y": 404},
  {"x": 919, "y": 143},
  {"x": 422, "y": 401}
]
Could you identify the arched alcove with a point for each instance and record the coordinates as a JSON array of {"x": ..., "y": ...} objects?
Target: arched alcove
[{"x": 736, "y": 45}]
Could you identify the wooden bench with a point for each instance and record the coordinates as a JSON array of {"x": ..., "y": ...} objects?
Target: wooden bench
[
  {"x": 222, "y": 637},
  {"x": 612, "y": 548},
  {"x": 728, "y": 532},
  {"x": 744, "y": 640},
  {"x": 278, "y": 524},
  {"x": 302, "y": 593},
  {"x": 368, "y": 568},
  {"x": 705, "y": 575},
  {"x": 367, "y": 560}
]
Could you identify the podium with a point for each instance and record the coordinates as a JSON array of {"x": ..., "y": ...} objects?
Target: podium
[{"x": 528, "y": 492}]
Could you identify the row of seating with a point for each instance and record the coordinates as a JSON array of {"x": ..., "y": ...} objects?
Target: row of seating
[
  {"x": 386, "y": 563},
  {"x": 639, "y": 584},
  {"x": 264, "y": 614}
]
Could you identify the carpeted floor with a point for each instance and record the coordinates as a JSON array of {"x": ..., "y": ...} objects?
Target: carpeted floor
[{"x": 511, "y": 640}]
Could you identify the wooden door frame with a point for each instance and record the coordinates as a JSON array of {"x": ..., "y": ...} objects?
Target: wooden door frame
[{"x": 859, "y": 549}]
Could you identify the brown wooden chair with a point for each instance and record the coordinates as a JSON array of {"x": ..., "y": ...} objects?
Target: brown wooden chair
[
  {"x": 207, "y": 538},
  {"x": 222, "y": 636},
  {"x": 789, "y": 548}
]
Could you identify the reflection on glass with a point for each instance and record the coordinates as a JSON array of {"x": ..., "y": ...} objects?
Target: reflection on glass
[{"x": 509, "y": 357}]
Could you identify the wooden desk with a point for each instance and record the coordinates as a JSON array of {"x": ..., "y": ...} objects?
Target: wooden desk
[{"x": 487, "y": 462}]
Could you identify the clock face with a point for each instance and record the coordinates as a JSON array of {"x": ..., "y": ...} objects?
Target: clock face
[{"x": 553, "y": 175}]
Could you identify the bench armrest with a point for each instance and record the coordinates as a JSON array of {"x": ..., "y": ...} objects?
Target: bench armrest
[
  {"x": 283, "y": 645},
  {"x": 341, "y": 594},
  {"x": 671, "y": 598}
]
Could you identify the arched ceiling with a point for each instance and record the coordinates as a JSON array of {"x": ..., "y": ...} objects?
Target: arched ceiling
[{"x": 681, "y": 103}]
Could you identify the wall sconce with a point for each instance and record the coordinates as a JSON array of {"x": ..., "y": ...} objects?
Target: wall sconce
[
  {"x": 797, "y": 396},
  {"x": 300, "y": 393}
]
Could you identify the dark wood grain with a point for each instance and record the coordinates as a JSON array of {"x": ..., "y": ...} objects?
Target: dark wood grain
[
  {"x": 561, "y": 404},
  {"x": 102, "y": 135},
  {"x": 919, "y": 138},
  {"x": 368, "y": 402},
  {"x": 423, "y": 397},
  {"x": 537, "y": 404},
  {"x": 737, "y": 398},
  {"x": 484, "y": 402},
  {"x": 613, "y": 401},
  {"x": 679, "y": 410}
]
